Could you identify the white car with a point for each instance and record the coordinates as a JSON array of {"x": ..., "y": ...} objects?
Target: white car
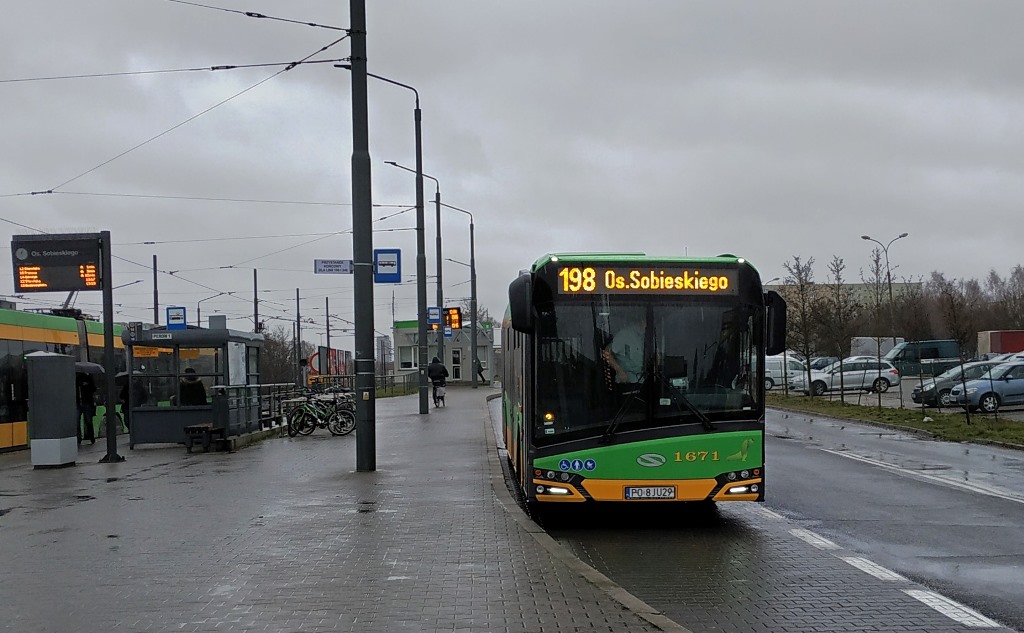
[
  {"x": 774, "y": 374},
  {"x": 870, "y": 375}
]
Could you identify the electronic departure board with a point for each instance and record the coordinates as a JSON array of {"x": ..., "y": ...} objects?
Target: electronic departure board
[
  {"x": 452, "y": 318},
  {"x": 646, "y": 279},
  {"x": 56, "y": 263}
]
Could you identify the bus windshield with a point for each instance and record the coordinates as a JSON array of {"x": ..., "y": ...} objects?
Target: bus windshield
[{"x": 627, "y": 363}]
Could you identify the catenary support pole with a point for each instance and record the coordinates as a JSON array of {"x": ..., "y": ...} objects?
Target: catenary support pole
[{"x": 362, "y": 246}]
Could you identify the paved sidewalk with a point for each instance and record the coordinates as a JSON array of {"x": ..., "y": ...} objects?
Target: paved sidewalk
[{"x": 286, "y": 536}]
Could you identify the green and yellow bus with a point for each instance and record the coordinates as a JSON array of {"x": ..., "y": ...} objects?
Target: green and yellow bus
[
  {"x": 22, "y": 333},
  {"x": 629, "y": 378}
]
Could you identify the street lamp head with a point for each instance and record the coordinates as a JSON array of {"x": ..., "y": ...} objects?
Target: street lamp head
[
  {"x": 903, "y": 235},
  {"x": 391, "y": 162},
  {"x": 865, "y": 237},
  {"x": 345, "y": 66}
]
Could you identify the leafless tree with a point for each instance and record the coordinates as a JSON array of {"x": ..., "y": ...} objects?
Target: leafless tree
[
  {"x": 958, "y": 303},
  {"x": 1007, "y": 297},
  {"x": 838, "y": 315},
  {"x": 803, "y": 299},
  {"x": 277, "y": 357}
]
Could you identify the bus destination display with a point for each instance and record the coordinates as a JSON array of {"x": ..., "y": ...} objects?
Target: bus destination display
[
  {"x": 583, "y": 280},
  {"x": 55, "y": 265}
]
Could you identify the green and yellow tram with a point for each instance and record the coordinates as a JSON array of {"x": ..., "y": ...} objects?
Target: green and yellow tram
[{"x": 22, "y": 333}]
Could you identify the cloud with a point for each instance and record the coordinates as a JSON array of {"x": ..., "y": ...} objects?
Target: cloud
[{"x": 767, "y": 130}]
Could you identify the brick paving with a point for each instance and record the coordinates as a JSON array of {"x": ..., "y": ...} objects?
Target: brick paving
[{"x": 285, "y": 536}]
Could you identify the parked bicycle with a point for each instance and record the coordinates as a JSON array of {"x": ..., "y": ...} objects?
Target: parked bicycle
[{"x": 335, "y": 412}]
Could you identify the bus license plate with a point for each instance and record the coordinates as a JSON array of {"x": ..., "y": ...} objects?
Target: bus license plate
[{"x": 650, "y": 492}]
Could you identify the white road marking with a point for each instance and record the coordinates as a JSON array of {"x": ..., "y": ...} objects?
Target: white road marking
[
  {"x": 945, "y": 481},
  {"x": 952, "y": 609},
  {"x": 810, "y": 537},
  {"x": 874, "y": 569},
  {"x": 768, "y": 514}
]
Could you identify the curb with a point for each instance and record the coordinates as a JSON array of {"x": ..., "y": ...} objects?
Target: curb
[{"x": 628, "y": 601}]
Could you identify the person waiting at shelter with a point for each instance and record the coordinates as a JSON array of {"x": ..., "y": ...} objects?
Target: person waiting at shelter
[
  {"x": 85, "y": 388},
  {"x": 193, "y": 391}
]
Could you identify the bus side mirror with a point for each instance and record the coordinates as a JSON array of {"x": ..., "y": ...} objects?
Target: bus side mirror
[
  {"x": 520, "y": 303},
  {"x": 775, "y": 341}
]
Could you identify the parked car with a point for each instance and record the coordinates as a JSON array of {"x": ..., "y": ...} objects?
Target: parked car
[
  {"x": 936, "y": 391},
  {"x": 1003, "y": 385},
  {"x": 869, "y": 375},
  {"x": 924, "y": 357},
  {"x": 773, "y": 372},
  {"x": 821, "y": 362},
  {"x": 1009, "y": 357}
]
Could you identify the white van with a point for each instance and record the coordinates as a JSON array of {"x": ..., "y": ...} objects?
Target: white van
[{"x": 773, "y": 374}]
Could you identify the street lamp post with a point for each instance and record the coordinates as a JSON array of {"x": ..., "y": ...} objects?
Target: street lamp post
[
  {"x": 421, "y": 258},
  {"x": 888, "y": 279},
  {"x": 472, "y": 293},
  {"x": 885, "y": 251},
  {"x": 440, "y": 291},
  {"x": 199, "y": 320}
]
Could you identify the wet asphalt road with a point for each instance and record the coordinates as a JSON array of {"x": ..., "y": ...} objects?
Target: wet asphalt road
[
  {"x": 946, "y": 515},
  {"x": 928, "y": 521}
]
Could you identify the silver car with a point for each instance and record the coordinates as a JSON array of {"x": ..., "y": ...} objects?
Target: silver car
[{"x": 869, "y": 374}]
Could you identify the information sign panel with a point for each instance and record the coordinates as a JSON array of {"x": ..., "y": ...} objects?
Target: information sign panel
[
  {"x": 332, "y": 267},
  {"x": 56, "y": 263}
]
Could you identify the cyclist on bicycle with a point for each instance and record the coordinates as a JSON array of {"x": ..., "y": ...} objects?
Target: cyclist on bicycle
[{"x": 437, "y": 373}]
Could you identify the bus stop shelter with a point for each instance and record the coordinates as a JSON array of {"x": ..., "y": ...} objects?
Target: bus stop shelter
[{"x": 184, "y": 377}]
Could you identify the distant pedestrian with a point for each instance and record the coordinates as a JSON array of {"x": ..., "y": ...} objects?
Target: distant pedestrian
[
  {"x": 85, "y": 392},
  {"x": 437, "y": 373},
  {"x": 480, "y": 372}
]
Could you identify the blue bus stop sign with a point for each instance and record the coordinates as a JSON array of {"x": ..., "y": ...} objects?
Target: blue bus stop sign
[
  {"x": 433, "y": 315},
  {"x": 176, "y": 318},
  {"x": 387, "y": 266}
]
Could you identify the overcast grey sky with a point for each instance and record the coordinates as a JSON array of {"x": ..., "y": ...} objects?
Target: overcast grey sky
[{"x": 763, "y": 129}]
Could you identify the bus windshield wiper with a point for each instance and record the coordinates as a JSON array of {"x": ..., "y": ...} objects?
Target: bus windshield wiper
[
  {"x": 609, "y": 431},
  {"x": 692, "y": 408}
]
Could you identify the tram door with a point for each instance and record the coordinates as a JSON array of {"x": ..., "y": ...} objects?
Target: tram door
[{"x": 456, "y": 364}]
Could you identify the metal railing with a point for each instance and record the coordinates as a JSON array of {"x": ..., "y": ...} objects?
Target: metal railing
[{"x": 246, "y": 408}]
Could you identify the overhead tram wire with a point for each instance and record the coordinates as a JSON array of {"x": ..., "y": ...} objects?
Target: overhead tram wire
[
  {"x": 196, "y": 116},
  {"x": 253, "y": 14},
  {"x": 129, "y": 73}
]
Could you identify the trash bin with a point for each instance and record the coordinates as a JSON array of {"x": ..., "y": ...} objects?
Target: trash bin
[{"x": 52, "y": 410}]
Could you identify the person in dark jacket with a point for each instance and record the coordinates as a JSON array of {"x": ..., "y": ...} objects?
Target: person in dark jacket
[
  {"x": 437, "y": 373},
  {"x": 193, "y": 391},
  {"x": 86, "y": 392}
]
